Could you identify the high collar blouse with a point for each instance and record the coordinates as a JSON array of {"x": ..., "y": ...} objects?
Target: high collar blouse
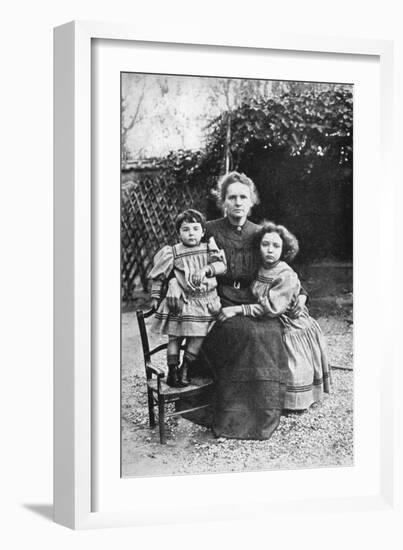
[{"x": 242, "y": 256}]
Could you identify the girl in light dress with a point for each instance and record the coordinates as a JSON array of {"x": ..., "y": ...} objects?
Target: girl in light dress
[
  {"x": 194, "y": 264},
  {"x": 275, "y": 288}
]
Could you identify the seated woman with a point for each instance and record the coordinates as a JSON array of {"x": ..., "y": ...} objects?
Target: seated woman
[{"x": 246, "y": 355}]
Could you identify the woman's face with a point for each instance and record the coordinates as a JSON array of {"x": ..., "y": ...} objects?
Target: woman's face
[
  {"x": 271, "y": 247},
  {"x": 237, "y": 202}
]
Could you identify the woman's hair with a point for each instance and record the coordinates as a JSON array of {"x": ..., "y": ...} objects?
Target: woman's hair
[
  {"x": 290, "y": 241},
  {"x": 225, "y": 181},
  {"x": 190, "y": 216}
]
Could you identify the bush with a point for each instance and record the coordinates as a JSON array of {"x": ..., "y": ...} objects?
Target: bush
[{"x": 298, "y": 150}]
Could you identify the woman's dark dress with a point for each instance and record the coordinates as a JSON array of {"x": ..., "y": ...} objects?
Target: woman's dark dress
[{"x": 246, "y": 356}]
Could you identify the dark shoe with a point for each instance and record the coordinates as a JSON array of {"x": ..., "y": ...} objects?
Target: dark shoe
[
  {"x": 172, "y": 378},
  {"x": 184, "y": 374}
]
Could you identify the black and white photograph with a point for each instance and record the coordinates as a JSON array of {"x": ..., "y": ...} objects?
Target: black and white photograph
[{"x": 236, "y": 274}]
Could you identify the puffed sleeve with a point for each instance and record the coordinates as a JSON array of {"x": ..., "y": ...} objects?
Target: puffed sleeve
[
  {"x": 216, "y": 258},
  {"x": 278, "y": 297},
  {"x": 163, "y": 265}
]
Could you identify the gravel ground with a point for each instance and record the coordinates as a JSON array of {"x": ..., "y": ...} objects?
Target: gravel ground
[{"x": 319, "y": 437}]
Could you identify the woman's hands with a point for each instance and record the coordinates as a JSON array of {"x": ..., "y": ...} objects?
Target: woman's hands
[
  {"x": 228, "y": 312},
  {"x": 264, "y": 302},
  {"x": 175, "y": 297},
  {"x": 296, "y": 308},
  {"x": 198, "y": 276},
  {"x": 154, "y": 303}
]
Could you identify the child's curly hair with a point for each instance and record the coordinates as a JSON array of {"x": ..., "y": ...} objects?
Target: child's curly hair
[
  {"x": 190, "y": 216},
  {"x": 290, "y": 241}
]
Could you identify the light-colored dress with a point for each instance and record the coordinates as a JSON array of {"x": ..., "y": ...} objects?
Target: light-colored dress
[
  {"x": 202, "y": 303},
  {"x": 275, "y": 288}
]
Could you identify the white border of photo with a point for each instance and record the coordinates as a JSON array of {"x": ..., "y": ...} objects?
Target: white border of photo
[{"x": 89, "y": 491}]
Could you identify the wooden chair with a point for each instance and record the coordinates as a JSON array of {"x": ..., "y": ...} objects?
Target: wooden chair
[{"x": 159, "y": 393}]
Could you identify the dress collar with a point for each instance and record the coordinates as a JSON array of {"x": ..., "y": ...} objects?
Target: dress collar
[{"x": 236, "y": 228}]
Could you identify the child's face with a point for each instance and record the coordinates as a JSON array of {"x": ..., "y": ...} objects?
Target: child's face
[
  {"x": 191, "y": 233},
  {"x": 271, "y": 247}
]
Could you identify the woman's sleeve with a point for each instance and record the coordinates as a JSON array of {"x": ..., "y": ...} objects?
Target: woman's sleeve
[
  {"x": 163, "y": 265},
  {"x": 216, "y": 258}
]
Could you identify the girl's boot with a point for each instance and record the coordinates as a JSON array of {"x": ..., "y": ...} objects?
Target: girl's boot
[
  {"x": 183, "y": 373},
  {"x": 172, "y": 378}
]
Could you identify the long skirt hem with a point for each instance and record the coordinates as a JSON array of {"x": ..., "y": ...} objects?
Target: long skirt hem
[{"x": 248, "y": 361}]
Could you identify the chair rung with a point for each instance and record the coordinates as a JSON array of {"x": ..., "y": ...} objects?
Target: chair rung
[
  {"x": 178, "y": 413},
  {"x": 171, "y": 392}
]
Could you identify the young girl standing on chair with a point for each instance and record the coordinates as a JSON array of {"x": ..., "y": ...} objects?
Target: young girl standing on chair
[
  {"x": 275, "y": 288},
  {"x": 194, "y": 264}
]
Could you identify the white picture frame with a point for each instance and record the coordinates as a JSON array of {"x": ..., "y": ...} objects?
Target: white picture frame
[{"x": 76, "y": 416}]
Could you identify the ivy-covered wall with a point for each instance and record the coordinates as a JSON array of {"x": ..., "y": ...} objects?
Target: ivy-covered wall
[{"x": 298, "y": 149}]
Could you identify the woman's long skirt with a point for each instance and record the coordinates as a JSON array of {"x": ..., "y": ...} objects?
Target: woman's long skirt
[{"x": 247, "y": 358}]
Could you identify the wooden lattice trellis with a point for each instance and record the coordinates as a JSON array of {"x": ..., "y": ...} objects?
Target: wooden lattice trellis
[{"x": 148, "y": 210}]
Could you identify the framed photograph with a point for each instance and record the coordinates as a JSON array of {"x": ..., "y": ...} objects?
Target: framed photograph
[{"x": 159, "y": 136}]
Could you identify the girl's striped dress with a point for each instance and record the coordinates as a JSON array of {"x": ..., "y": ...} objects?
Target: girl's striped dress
[
  {"x": 275, "y": 288},
  {"x": 202, "y": 303}
]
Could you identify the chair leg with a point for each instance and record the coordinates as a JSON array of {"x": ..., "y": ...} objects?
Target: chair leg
[
  {"x": 151, "y": 414},
  {"x": 161, "y": 420}
]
